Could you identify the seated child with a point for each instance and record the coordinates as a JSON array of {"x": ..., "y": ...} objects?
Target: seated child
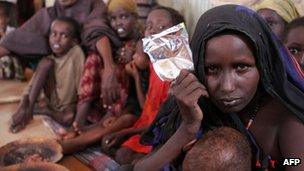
[
  {"x": 10, "y": 67},
  {"x": 58, "y": 75},
  {"x": 135, "y": 68},
  {"x": 220, "y": 149},
  {"x": 131, "y": 150},
  {"x": 294, "y": 39},
  {"x": 92, "y": 106}
]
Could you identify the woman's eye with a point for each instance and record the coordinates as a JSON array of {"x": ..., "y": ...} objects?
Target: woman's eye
[
  {"x": 211, "y": 69},
  {"x": 241, "y": 67},
  {"x": 270, "y": 24},
  {"x": 294, "y": 51}
]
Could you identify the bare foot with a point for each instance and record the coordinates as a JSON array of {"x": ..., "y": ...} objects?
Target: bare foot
[{"x": 21, "y": 117}]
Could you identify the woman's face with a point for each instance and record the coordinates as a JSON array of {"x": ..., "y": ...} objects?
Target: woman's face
[
  {"x": 123, "y": 22},
  {"x": 158, "y": 20},
  {"x": 274, "y": 20},
  {"x": 66, "y": 3},
  {"x": 231, "y": 74},
  {"x": 295, "y": 43}
]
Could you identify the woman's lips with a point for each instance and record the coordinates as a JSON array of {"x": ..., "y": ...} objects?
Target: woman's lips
[{"x": 230, "y": 102}]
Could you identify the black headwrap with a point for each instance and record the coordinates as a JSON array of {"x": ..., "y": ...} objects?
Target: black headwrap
[{"x": 280, "y": 77}]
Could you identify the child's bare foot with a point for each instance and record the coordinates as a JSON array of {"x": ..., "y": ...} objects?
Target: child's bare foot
[{"x": 21, "y": 117}]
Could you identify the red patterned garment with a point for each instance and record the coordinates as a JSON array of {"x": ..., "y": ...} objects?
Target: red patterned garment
[
  {"x": 90, "y": 84},
  {"x": 156, "y": 95}
]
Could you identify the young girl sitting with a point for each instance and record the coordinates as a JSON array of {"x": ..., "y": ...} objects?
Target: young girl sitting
[
  {"x": 158, "y": 20},
  {"x": 92, "y": 103}
]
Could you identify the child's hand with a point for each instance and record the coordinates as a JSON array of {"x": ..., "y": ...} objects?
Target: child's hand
[
  {"x": 131, "y": 69},
  {"x": 187, "y": 90}
]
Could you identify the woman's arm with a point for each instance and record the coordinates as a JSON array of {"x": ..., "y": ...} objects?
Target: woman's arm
[{"x": 109, "y": 87}]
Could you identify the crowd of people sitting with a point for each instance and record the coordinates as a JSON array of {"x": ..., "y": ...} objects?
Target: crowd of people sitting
[{"x": 242, "y": 108}]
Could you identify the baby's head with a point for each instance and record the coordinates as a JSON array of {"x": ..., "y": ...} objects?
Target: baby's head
[
  {"x": 64, "y": 34},
  {"x": 140, "y": 58},
  {"x": 161, "y": 18},
  {"x": 220, "y": 149},
  {"x": 294, "y": 39},
  {"x": 4, "y": 15},
  {"x": 123, "y": 18}
]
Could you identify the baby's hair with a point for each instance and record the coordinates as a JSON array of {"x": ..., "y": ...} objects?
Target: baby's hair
[
  {"x": 5, "y": 7},
  {"x": 175, "y": 15},
  {"x": 298, "y": 22},
  {"x": 76, "y": 29},
  {"x": 220, "y": 149}
]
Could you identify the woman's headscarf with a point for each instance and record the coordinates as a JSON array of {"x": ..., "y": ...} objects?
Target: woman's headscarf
[
  {"x": 281, "y": 77},
  {"x": 128, "y": 5},
  {"x": 285, "y": 8}
]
